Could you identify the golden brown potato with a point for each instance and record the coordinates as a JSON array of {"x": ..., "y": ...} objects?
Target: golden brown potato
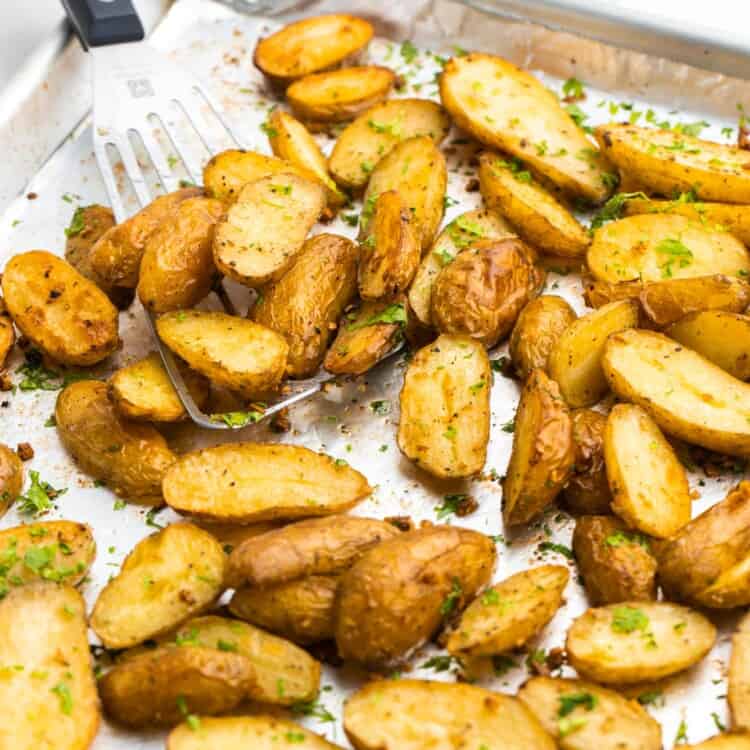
[
  {"x": 304, "y": 305},
  {"x": 319, "y": 546},
  {"x": 685, "y": 394},
  {"x": 167, "y": 578},
  {"x": 11, "y": 477},
  {"x": 541, "y": 220},
  {"x": 584, "y": 716},
  {"x": 537, "y": 329},
  {"x": 598, "y": 293},
  {"x": 238, "y": 354},
  {"x": 61, "y": 312},
  {"x": 444, "y": 424},
  {"x": 177, "y": 268},
  {"x": 376, "y": 131},
  {"x": 672, "y": 162},
  {"x": 339, "y": 95},
  {"x": 130, "y": 457},
  {"x": 509, "y": 109},
  {"x": 738, "y": 683},
  {"x": 575, "y": 361},
  {"x": 721, "y": 337},
  {"x": 310, "y": 46},
  {"x": 398, "y": 593},
  {"x": 508, "y": 614},
  {"x": 637, "y": 641},
  {"x": 249, "y": 482},
  {"x": 542, "y": 457},
  {"x": 231, "y": 535},
  {"x": 163, "y": 686},
  {"x": 416, "y": 714},
  {"x": 615, "y": 563},
  {"x": 47, "y": 669},
  {"x": 481, "y": 293}
]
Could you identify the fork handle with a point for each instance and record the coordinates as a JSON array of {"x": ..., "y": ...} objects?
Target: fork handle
[{"x": 101, "y": 22}]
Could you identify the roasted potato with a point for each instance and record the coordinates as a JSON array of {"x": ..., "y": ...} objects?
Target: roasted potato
[
  {"x": 444, "y": 424},
  {"x": 663, "y": 246},
  {"x": 319, "y": 546},
  {"x": 538, "y": 328},
  {"x": 575, "y": 361},
  {"x": 46, "y": 671},
  {"x": 238, "y": 354},
  {"x": 598, "y": 293},
  {"x": 375, "y": 133},
  {"x": 706, "y": 562},
  {"x": 310, "y": 46},
  {"x": 231, "y": 535},
  {"x": 738, "y": 683},
  {"x": 584, "y": 716},
  {"x": 542, "y": 457},
  {"x": 541, "y": 220},
  {"x": 669, "y": 161},
  {"x": 615, "y": 563},
  {"x": 481, "y": 293},
  {"x": 509, "y": 109},
  {"x": 685, "y": 394},
  {"x": 130, "y": 457},
  {"x": 177, "y": 268},
  {"x": 262, "y": 233},
  {"x": 339, "y": 95},
  {"x": 249, "y": 482},
  {"x": 143, "y": 390},
  {"x": 60, "y": 311},
  {"x": 637, "y": 641},
  {"x": 721, "y": 337},
  {"x": 416, "y": 714},
  {"x": 649, "y": 485},
  {"x": 167, "y": 578},
  {"x": 508, "y": 614},
  {"x": 11, "y": 477},
  {"x": 399, "y": 592},
  {"x": 304, "y": 305}
]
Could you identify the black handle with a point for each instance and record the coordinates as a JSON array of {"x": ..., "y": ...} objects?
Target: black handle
[{"x": 102, "y": 22}]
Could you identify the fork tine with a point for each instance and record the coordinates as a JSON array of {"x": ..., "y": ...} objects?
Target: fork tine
[
  {"x": 211, "y": 102},
  {"x": 110, "y": 181},
  {"x": 192, "y": 111},
  {"x": 156, "y": 154},
  {"x": 132, "y": 168},
  {"x": 182, "y": 148}
]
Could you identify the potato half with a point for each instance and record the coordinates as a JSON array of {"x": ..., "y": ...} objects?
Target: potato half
[{"x": 11, "y": 477}]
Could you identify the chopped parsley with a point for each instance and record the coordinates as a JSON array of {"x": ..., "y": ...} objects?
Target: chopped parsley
[
  {"x": 381, "y": 408},
  {"x": 38, "y": 498},
  {"x": 629, "y": 619},
  {"x": 389, "y": 128},
  {"x": 440, "y": 663},
  {"x": 62, "y": 691},
  {"x": 561, "y": 549},
  {"x": 409, "y": 52},
  {"x": 77, "y": 224},
  {"x": 450, "y": 601},
  {"x": 620, "y": 538},
  {"x": 573, "y": 90},
  {"x": 516, "y": 167},
  {"x": 450, "y": 505},
  {"x": 681, "y": 737},
  {"x": 509, "y": 426},
  {"x": 613, "y": 208},
  {"x": 568, "y": 724},
  {"x": 269, "y": 130},
  {"x": 314, "y": 709},
  {"x": 238, "y": 418},
  {"x": 677, "y": 252},
  {"x": 395, "y": 313}
]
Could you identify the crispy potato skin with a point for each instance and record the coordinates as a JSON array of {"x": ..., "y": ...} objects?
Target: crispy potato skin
[
  {"x": 60, "y": 311},
  {"x": 616, "y": 564},
  {"x": 542, "y": 457},
  {"x": 304, "y": 305},
  {"x": 393, "y": 598},
  {"x": 738, "y": 684},
  {"x": 131, "y": 458},
  {"x": 11, "y": 477},
  {"x": 598, "y": 293}
]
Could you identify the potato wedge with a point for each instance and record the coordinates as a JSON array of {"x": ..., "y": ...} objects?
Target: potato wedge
[
  {"x": 60, "y": 311},
  {"x": 723, "y": 742},
  {"x": 47, "y": 669},
  {"x": 541, "y": 220},
  {"x": 584, "y": 716},
  {"x": 649, "y": 485},
  {"x": 310, "y": 46},
  {"x": 167, "y": 578},
  {"x": 415, "y": 714},
  {"x": 177, "y": 268},
  {"x": 507, "y": 108},
  {"x": 738, "y": 683},
  {"x": 319, "y": 546},
  {"x": 399, "y": 592},
  {"x": 305, "y": 304},
  {"x": 669, "y": 162},
  {"x": 444, "y": 424},
  {"x": 615, "y": 563},
  {"x": 249, "y": 482},
  {"x": 575, "y": 361},
  {"x": 508, "y": 614},
  {"x": 542, "y": 457},
  {"x": 238, "y": 354},
  {"x": 375, "y": 133},
  {"x": 264, "y": 230},
  {"x": 161, "y": 687},
  {"x": 685, "y": 394},
  {"x": 633, "y": 642},
  {"x": 339, "y": 95},
  {"x": 130, "y": 457},
  {"x": 598, "y": 293},
  {"x": 663, "y": 246},
  {"x": 721, "y": 337},
  {"x": 11, "y": 477}
]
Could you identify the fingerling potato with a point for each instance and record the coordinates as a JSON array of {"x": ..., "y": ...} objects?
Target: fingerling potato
[
  {"x": 11, "y": 477},
  {"x": 738, "y": 682}
]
